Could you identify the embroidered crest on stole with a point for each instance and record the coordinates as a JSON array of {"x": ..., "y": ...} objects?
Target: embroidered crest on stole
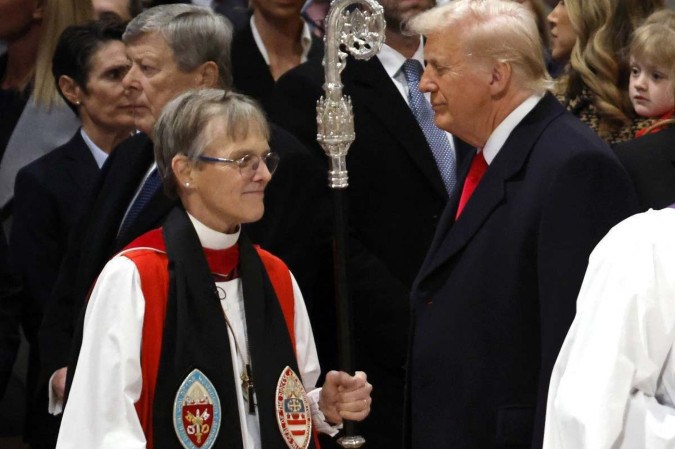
[
  {"x": 196, "y": 412},
  {"x": 293, "y": 413}
]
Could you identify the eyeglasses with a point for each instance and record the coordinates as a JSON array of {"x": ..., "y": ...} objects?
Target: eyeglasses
[{"x": 247, "y": 164}]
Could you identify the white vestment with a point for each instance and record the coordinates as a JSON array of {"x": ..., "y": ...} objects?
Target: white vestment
[{"x": 614, "y": 381}]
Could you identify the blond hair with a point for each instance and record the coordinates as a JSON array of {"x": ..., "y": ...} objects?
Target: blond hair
[
  {"x": 59, "y": 14},
  {"x": 598, "y": 61},
  {"x": 654, "y": 42}
]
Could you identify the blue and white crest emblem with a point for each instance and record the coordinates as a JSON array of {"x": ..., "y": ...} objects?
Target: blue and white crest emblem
[{"x": 196, "y": 412}]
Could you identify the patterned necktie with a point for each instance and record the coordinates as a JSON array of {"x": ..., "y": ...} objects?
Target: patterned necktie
[
  {"x": 150, "y": 186},
  {"x": 436, "y": 138}
]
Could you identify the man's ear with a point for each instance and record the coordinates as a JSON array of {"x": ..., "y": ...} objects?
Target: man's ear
[
  {"x": 208, "y": 75},
  {"x": 70, "y": 89},
  {"x": 182, "y": 169},
  {"x": 500, "y": 78}
]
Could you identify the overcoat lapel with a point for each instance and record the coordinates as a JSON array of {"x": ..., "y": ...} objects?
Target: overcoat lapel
[
  {"x": 490, "y": 192},
  {"x": 465, "y": 154},
  {"x": 371, "y": 83}
]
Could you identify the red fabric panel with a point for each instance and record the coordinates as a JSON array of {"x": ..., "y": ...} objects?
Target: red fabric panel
[
  {"x": 154, "y": 273},
  {"x": 283, "y": 287}
]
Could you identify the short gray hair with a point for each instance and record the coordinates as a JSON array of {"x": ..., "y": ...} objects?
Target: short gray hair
[
  {"x": 186, "y": 123},
  {"x": 493, "y": 30},
  {"x": 195, "y": 34}
]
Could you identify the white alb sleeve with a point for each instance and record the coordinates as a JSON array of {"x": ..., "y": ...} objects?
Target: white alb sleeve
[
  {"x": 308, "y": 362},
  {"x": 611, "y": 385},
  {"x": 100, "y": 412}
]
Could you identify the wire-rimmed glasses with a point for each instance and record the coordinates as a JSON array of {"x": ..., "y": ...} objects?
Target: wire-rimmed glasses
[{"x": 248, "y": 164}]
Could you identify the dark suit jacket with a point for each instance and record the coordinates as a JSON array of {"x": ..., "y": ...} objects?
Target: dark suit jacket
[
  {"x": 95, "y": 241},
  {"x": 49, "y": 198},
  {"x": 497, "y": 291},
  {"x": 396, "y": 196},
  {"x": 288, "y": 200},
  {"x": 650, "y": 162},
  {"x": 251, "y": 73},
  {"x": 10, "y": 315}
]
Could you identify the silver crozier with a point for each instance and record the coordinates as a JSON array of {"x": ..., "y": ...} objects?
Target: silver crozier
[{"x": 353, "y": 27}]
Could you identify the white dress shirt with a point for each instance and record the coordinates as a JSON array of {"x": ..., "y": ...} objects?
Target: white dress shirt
[
  {"x": 100, "y": 156},
  {"x": 502, "y": 132}
]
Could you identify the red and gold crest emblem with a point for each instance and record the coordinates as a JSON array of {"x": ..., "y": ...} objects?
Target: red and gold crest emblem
[
  {"x": 293, "y": 413},
  {"x": 196, "y": 412}
]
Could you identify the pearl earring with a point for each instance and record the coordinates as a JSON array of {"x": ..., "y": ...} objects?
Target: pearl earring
[{"x": 187, "y": 183}]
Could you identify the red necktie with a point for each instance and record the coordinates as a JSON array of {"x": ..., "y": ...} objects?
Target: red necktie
[{"x": 476, "y": 172}]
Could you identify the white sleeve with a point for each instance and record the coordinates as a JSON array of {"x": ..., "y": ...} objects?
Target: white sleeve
[
  {"x": 305, "y": 348},
  {"x": 604, "y": 390},
  {"x": 100, "y": 412},
  {"x": 308, "y": 361}
]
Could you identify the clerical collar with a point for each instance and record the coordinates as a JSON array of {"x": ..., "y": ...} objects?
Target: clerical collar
[{"x": 213, "y": 239}]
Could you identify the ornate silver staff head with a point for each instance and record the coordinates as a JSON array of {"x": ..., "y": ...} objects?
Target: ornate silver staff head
[{"x": 353, "y": 27}]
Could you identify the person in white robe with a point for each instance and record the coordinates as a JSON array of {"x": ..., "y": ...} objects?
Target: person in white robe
[{"x": 613, "y": 385}]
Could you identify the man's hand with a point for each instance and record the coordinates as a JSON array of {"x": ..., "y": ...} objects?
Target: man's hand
[
  {"x": 345, "y": 397},
  {"x": 59, "y": 383}
]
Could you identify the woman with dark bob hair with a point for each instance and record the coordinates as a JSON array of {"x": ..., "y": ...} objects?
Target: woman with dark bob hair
[
  {"x": 193, "y": 337},
  {"x": 50, "y": 193}
]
